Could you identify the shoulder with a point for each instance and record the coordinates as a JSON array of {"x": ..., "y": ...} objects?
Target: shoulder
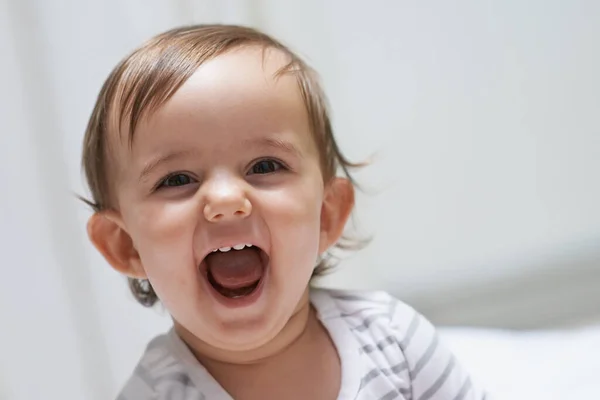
[
  {"x": 366, "y": 308},
  {"x": 391, "y": 330},
  {"x": 159, "y": 375}
]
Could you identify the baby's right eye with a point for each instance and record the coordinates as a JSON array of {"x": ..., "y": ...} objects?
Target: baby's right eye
[{"x": 176, "y": 180}]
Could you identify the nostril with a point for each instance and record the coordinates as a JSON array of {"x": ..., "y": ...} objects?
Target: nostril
[
  {"x": 239, "y": 212},
  {"x": 217, "y": 217}
]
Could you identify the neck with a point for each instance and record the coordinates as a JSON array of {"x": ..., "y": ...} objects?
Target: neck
[{"x": 294, "y": 329}]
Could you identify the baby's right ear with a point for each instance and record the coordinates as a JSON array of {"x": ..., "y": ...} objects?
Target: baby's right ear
[{"x": 107, "y": 233}]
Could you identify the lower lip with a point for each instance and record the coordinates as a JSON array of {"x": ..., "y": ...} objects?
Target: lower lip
[{"x": 238, "y": 302}]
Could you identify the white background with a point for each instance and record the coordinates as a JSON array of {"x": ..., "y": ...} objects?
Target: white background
[{"x": 482, "y": 116}]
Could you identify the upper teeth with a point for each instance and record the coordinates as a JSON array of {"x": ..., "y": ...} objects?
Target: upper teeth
[{"x": 236, "y": 247}]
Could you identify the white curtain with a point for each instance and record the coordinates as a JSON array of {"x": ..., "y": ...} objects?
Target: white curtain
[{"x": 483, "y": 118}]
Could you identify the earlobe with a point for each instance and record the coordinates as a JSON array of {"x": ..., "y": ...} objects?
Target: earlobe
[
  {"x": 338, "y": 203},
  {"x": 106, "y": 232}
]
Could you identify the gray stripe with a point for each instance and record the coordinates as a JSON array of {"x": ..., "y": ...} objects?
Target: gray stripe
[
  {"x": 429, "y": 393},
  {"x": 390, "y": 395},
  {"x": 412, "y": 328},
  {"x": 180, "y": 386},
  {"x": 406, "y": 392},
  {"x": 144, "y": 375},
  {"x": 425, "y": 358},
  {"x": 368, "y": 321},
  {"x": 157, "y": 360},
  {"x": 372, "y": 374},
  {"x": 178, "y": 377},
  {"x": 375, "y": 372},
  {"x": 137, "y": 387},
  {"x": 369, "y": 348},
  {"x": 395, "y": 369},
  {"x": 464, "y": 390}
]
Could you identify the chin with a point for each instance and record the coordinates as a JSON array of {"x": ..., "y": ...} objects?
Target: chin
[{"x": 246, "y": 333}]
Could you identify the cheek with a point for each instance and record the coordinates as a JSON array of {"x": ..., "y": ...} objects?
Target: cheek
[
  {"x": 162, "y": 224},
  {"x": 162, "y": 234},
  {"x": 293, "y": 216}
]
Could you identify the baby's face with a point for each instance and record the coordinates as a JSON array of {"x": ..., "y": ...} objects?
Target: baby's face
[{"x": 228, "y": 161}]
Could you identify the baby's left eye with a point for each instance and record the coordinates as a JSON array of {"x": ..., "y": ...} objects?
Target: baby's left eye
[{"x": 265, "y": 167}]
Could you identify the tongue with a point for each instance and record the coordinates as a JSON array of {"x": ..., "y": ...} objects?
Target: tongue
[{"x": 236, "y": 268}]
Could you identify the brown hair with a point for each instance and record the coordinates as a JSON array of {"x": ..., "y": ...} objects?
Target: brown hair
[{"x": 149, "y": 76}]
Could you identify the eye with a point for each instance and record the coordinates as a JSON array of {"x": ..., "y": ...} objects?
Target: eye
[
  {"x": 176, "y": 180},
  {"x": 265, "y": 167}
]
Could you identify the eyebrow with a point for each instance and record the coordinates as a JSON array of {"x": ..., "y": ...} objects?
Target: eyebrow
[
  {"x": 152, "y": 164},
  {"x": 275, "y": 143}
]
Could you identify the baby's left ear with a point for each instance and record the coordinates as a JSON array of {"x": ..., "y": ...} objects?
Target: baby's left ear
[{"x": 338, "y": 202}]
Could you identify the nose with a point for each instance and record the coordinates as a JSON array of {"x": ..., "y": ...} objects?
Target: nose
[{"x": 226, "y": 200}]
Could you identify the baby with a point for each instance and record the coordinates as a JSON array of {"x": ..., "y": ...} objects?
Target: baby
[{"x": 219, "y": 189}]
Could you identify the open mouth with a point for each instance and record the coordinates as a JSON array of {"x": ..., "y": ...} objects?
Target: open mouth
[{"x": 236, "y": 272}]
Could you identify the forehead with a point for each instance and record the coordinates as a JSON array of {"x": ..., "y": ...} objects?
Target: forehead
[
  {"x": 239, "y": 91},
  {"x": 240, "y": 76}
]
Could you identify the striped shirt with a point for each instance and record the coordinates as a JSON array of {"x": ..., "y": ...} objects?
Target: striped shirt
[{"x": 387, "y": 352}]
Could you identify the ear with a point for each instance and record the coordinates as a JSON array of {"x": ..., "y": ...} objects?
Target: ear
[
  {"x": 107, "y": 233},
  {"x": 338, "y": 202}
]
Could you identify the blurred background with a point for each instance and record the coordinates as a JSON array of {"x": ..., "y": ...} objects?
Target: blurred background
[{"x": 482, "y": 120}]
